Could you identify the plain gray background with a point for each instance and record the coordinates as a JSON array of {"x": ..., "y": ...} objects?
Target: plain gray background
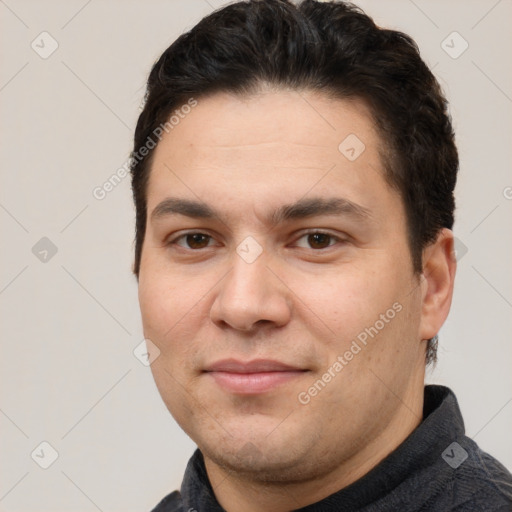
[{"x": 71, "y": 321}]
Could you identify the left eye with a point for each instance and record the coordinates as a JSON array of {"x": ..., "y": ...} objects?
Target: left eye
[{"x": 317, "y": 240}]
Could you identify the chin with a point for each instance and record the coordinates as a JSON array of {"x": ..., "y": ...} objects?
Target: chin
[
  {"x": 255, "y": 464},
  {"x": 272, "y": 467},
  {"x": 260, "y": 453}
]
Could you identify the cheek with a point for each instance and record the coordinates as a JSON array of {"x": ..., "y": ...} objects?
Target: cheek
[
  {"x": 163, "y": 303},
  {"x": 341, "y": 302},
  {"x": 362, "y": 312},
  {"x": 169, "y": 318},
  {"x": 175, "y": 308},
  {"x": 156, "y": 305}
]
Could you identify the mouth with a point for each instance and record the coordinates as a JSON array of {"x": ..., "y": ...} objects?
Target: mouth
[{"x": 252, "y": 377}]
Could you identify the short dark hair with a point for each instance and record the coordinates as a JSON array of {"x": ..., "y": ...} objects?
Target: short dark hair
[{"x": 329, "y": 47}]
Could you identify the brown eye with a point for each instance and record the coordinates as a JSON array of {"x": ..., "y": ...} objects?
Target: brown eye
[
  {"x": 193, "y": 240},
  {"x": 319, "y": 240},
  {"x": 197, "y": 240}
]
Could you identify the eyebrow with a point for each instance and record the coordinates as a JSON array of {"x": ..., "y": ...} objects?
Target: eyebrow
[{"x": 303, "y": 208}]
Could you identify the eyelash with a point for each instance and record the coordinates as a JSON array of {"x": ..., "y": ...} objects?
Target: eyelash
[{"x": 312, "y": 232}]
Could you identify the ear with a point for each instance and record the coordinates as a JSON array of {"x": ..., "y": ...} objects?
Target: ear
[{"x": 439, "y": 266}]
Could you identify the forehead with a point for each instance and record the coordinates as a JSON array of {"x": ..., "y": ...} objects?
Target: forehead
[
  {"x": 310, "y": 120},
  {"x": 267, "y": 145}
]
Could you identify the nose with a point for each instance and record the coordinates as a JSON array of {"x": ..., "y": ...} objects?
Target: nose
[{"x": 251, "y": 295}]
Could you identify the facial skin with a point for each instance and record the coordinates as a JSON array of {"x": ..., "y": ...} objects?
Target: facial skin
[{"x": 301, "y": 302}]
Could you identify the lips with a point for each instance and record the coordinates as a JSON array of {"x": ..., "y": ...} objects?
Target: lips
[
  {"x": 254, "y": 366},
  {"x": 252, "y": 377}
]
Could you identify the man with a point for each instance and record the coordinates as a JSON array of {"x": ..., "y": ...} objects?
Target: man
[{"x": 293, "y": 175}]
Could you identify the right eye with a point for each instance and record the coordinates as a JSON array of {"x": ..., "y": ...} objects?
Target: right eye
[{"x": 193, "y": 240}]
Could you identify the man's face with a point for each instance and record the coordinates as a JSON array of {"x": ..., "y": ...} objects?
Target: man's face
[{"x": 289, "y": 319}]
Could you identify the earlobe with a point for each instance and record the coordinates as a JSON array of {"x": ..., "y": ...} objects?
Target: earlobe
[{"x": 439, "y": 266}]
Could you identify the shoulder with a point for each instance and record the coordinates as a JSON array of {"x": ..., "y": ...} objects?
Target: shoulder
[
  {"x": 171, "y": 503},
  {"x": 479, "y": 482}
]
